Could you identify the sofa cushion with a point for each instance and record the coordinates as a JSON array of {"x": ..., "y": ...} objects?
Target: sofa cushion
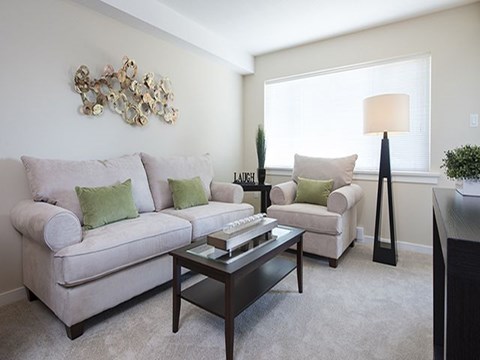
[
  {"x": 187, "y": 193},
  {"x": 338, "y": 169},
  {"x": 106, "y": 204},
  {"x": 115, "y": 246},
  {"x": 206, "y": 219},
  {"x": 54, "y": 181},
  {"x": 313, "y": 218},
  {"x": 176, "y": 167}
]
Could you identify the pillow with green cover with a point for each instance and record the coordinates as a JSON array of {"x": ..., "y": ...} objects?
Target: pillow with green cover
[
  {"x": 313, "y": 191},
  {"x": 106, "y": 204},
  {"x": 187, "y": 193}
]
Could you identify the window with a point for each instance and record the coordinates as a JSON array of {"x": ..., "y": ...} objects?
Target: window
[{"x": 321, "y": 114}]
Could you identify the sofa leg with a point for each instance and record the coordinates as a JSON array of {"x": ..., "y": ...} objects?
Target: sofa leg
[
  {"x": 30, "y": 295},
  {"x": 333, "y": 263},
  {"x": 352, "y": 244},
  {"x": 75, "y": 330}
]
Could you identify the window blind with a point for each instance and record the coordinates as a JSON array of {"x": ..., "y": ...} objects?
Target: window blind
[{"x": 321, "y": 114}]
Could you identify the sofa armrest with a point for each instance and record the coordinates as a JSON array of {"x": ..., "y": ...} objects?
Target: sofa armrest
[
  {"x": 47, "y": 224},
  {"x": 344, "y": 198},
  {"x": 284, "y": 193},
  {"x": 226, "y": 192}
]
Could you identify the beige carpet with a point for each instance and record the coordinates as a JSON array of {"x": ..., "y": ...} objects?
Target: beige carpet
[{"x": 361, "y": 310}]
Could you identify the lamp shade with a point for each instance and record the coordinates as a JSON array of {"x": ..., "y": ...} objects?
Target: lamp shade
[{"x": 388, "y": 112}]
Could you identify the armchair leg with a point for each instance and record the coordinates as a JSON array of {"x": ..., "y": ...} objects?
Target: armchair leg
[
  {"x": 75, "y": 330},
  {"x": 352, "y": 244},
  {"x": 30, "y": 295},
  {"x": 333, "y": 263}
]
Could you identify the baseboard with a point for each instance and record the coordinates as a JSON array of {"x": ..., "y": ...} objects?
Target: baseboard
[
  {"x": 401, "y": 245},
  {"x": 12, "y": 296}
]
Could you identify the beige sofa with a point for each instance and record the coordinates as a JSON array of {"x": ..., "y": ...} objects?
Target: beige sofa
[
  {"x": 79, "y": 273},
  {"x": 329, "y": 229}
]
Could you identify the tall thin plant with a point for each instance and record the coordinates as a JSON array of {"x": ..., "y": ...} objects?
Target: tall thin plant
[{"x": 261, "y": 147}]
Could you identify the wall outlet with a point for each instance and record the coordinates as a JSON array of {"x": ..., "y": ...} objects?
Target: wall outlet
[{"x": 473, "y": 120}]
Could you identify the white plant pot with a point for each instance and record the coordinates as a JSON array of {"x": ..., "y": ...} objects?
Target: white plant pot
[{"x": 468, "y": 187}]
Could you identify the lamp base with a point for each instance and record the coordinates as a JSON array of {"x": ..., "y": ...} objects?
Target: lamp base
[{"x": 384, "y": 253}]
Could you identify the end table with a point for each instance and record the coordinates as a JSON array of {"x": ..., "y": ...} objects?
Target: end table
[{"x": 264, "y": 189}]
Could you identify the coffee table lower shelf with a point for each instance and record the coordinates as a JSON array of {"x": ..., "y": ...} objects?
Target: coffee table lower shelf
[{"x": 209, "y": 294}]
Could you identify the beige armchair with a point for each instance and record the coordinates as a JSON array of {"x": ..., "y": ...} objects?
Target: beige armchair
[{"x": 329, "y": 229}]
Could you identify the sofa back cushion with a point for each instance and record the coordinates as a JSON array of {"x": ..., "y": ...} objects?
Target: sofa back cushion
[
  {"x": 54, "y": 181},
  {"x": 338, "y": 169},
  {"x": 160, "y": 169}
]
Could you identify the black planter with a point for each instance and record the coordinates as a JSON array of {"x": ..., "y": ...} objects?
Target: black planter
[{"x": 261, "y": 173}]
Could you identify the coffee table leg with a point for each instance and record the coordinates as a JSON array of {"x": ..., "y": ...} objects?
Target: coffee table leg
[
  {"x": 300, "y": 265},
  {"x": 229, "y": 318},
  {"x": 176, "y": 294}
]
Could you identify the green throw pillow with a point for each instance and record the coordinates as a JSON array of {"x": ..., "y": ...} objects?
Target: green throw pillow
[
  {"x": 187, "y": 193},
  {"x": 313, "y": 191},
  {"x": 106, "y": 204}
]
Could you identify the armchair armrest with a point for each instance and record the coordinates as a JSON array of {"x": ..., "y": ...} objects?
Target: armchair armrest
[
  {"x": 344, "y": 198},
  {"x": 226, "y": 192},
  {"x": 284, "y": 193},
  {"x": 47, "y": 224}
]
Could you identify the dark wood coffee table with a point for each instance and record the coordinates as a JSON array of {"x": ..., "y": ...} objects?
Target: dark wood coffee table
[{"x": 235, "y": 282}]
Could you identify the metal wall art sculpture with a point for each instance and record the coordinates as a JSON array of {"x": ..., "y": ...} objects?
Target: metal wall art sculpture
[{"x": 134, "y": 100}]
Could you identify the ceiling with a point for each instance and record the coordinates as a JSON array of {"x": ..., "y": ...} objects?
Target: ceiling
[{"x": 235, "y": 31}]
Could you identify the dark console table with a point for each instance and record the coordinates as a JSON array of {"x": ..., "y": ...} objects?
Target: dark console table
[
  {"x": 264, "y": 190},
  {"x": 456, "y": 275}
]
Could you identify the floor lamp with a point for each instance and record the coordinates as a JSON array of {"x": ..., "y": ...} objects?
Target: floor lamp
[{"x": 383, "y": 114}]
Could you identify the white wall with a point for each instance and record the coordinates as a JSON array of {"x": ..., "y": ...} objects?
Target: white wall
[
  {"x": 452, "y": 37},
  {"x": 42, "y": 44}
]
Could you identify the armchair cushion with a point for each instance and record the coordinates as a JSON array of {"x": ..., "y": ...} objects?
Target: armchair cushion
[
  {"x": 313, "y": 191},
  {"x": 338, "y": 169},
  {"x": 313, "y": 218}
]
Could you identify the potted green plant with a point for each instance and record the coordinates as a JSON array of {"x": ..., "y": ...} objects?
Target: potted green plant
[
  {"x": 463, "y": 165},
  {"x": 261, "y": 152}
]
